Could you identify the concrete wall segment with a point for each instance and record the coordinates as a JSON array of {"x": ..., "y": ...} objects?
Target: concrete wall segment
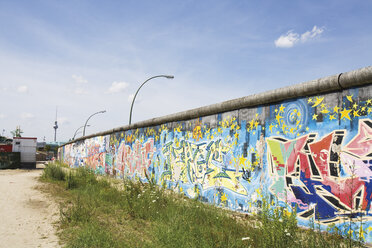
[{"x": 336, "y": 82}]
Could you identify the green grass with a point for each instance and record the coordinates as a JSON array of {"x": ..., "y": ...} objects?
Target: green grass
[
  {"x": 53, "y": 171},
  {"x": 94, "y": 213}
]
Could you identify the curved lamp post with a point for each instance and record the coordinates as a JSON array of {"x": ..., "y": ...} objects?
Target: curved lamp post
[
  {"x": 76, "y": 132},
  {"x": 134, "y": 98},
  {"x": 100, "y": 112}
]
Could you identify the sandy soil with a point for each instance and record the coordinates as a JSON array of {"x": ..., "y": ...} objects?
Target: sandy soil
[{"x": 26, "y": 214}]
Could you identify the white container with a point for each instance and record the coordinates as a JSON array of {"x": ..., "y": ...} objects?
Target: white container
[{"x": 27, "y": 147}]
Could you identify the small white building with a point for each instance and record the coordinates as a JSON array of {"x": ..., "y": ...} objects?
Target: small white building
[{"x": 27, "y": 147}]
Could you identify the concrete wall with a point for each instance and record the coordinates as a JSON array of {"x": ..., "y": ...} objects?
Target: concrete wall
[{"x": 307, "y": 147}]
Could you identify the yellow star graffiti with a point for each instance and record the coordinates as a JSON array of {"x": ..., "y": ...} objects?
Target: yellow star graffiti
[
  {"x": 345, "y": 114},
  {"x": 318, "y": 101},
  {"x": 276, "y": 110},
  {"x": 251, "y": 124},
  {"x": 355, "y": 105},
  {"x": 237, "y": 135},
  {"x": 332, "y": 117},
  {"x": 242, "y": 160},
  {"x": 369, "y": 110},
  {"x": 223, "y": 197},
  {"x": 309, "y": 100},
  {"x": 256, "y": 124},
  {"x": 281, "y": 109},
  {"x": 322, "y": 105},
  {"x": 278, "y": 117},
  {"x": 307, "y": 128},
  {"x": 324, "y": 111},
  {"x": 335, "y": 109},
  {"x": 355, "y": 113},
  {"x": 369, "y": 101},
  {"x": 284, "y": 127},
  {"x": 271, "y": 127},
  {"x": 315, "y": 116},
  {"x": 350, "y": 98}
]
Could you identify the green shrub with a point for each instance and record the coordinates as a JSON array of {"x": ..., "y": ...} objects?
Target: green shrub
[{"x": 53, "y": 171}]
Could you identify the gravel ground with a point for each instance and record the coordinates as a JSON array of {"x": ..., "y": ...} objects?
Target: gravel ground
[{"x": 26, "y": 214}]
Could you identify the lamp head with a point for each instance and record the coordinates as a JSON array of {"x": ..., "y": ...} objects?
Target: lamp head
[{"x": 169, "y": 76}]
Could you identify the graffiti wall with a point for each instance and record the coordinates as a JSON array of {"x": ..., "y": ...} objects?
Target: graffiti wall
[{"x": 312, "y": 155}]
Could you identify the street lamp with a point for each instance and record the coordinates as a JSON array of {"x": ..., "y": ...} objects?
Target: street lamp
[
  {"x": 100, "y": 112},
  {"x": 134, "y": 98},
  {"x": 78, "y": 130}
]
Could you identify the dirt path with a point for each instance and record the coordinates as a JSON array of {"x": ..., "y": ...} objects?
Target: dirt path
[{"x": 26, "y": 214}]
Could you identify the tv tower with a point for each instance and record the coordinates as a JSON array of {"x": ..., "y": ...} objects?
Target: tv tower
[{"x": 55, "y": 127}]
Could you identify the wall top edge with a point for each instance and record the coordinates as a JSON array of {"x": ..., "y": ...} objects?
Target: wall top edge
[{"x": 341, "y": 81}]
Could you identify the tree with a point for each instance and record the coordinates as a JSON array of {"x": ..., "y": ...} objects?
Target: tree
[{"x": 18, "y": 132}]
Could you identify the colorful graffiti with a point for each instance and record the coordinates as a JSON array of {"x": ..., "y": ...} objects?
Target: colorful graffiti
[{"x": 312, "y": 155}]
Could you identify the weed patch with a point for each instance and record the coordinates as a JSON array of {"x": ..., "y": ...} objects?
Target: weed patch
[
  {"x": 96, "y": 214},
  {"x": 54, "y": 171}
]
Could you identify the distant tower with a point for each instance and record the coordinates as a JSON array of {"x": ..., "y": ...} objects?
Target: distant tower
[{"x": 55, "y": 127}]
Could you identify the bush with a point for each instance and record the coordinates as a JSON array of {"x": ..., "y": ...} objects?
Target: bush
[
  {"x": 53, "y": 172},
  {"x": 71, "y": 181}
]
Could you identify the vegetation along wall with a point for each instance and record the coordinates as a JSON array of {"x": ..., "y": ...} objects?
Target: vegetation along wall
[{"x": 306, "y": 147}]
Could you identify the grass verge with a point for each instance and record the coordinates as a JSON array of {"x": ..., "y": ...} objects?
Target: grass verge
[{"x": 93, "y": 213}]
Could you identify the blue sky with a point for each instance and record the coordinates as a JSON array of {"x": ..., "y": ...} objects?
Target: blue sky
[{"x": 86, "y": 56}]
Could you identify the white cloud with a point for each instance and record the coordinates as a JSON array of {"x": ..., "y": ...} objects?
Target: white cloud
[
  {"x": 80, "y": 91},
  {"x": 117, "y": 87},
  {"x": 27, "y": 116},
  {"x": 22, "y": 89},
  {"x": 79, "y": 79},
  {"x": 63, "y": 120},
  {"x": 130, "y": 97},
  {"x": 291, "y": 38},
  {"x": 311, "y": 34},
  {"x": 287, "y": 40},
  {"x": 138, "y": 98}
]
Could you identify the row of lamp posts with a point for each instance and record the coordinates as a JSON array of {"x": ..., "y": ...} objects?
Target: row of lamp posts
[{"x": 131, "y": 107}]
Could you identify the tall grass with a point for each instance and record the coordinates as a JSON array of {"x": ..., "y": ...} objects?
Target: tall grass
[
  {"x": 53, "y": 171},
  {"x": 97, "y": 214}
]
